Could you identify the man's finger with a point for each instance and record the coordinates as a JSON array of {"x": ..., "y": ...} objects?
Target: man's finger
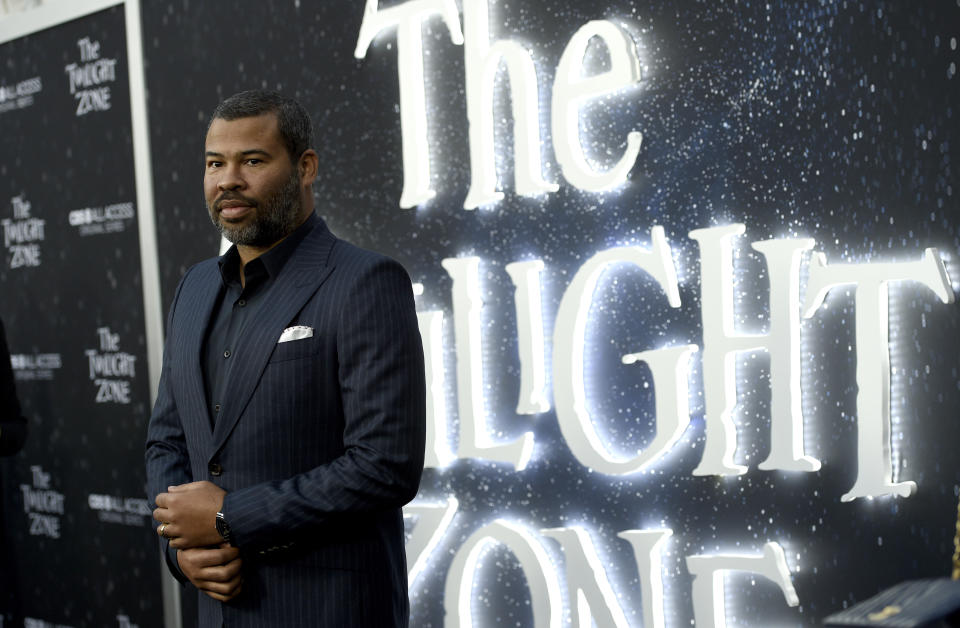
[
  {"x": 189, "y": 486},
  {"x": 222, "y": 590},
  {"x": 201, "y": 558},
  {"x": 223, "y": 574},
  {"x": 162, "y": 514}
]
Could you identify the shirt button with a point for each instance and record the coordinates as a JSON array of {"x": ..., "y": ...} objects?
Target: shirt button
[
  {"x": 226, "y": 353},
  {"x": 215, "y": 469},
  {"x": 241, "y": 302},
  {"x": 216, "y": 408}
]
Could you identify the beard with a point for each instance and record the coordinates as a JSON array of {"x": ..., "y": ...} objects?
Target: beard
[{"x": 274, "y": 219}]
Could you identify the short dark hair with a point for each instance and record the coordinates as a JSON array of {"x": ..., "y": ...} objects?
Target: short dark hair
[{"x": 294, "y": 123}]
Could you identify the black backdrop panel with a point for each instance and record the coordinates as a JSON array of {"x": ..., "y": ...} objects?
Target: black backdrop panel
[{"x": 72, "y": 301}]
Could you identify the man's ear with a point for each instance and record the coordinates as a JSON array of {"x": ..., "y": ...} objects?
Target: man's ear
[{"x": 308, "y": 166}]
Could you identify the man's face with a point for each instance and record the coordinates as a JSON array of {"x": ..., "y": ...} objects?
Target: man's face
[{"x": 251, "y": 187}]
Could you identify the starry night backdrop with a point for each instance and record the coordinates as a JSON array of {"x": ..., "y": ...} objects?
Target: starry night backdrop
[{"x": 827, "y": 120}]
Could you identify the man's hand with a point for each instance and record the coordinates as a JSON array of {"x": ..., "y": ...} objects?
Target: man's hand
[
  {"x": 188, "y": 514},
  {"x": 214, "y": 570}
]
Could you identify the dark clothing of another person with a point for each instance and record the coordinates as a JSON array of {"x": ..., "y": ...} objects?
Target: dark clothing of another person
[
  {"x": 13, "y": 432},
  {"x": 13, "y": 425}
]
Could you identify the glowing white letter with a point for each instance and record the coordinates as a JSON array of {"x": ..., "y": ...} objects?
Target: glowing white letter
[
  {"x": 874, "y": 475},
  {"x": 545, "y": 596},
  {"x": 708, "y": 590},
  {"x": 569, "y": 392},
  {"x": 526, "y": 278},
  {"x": 571, "y": 90},
  {"x": 721, "y": 344},
  {"x": 481, "y": 60},
  {"x": 646, "y": 549},
  {"x": 669, "y": 369},
  {"x": 474, "y": 440},
  {"x": 437, "y": 452},
  {"x": 409, "y": 17},
  {"x": 431, "y": 522},
  {"x": 587, "y": 581}
]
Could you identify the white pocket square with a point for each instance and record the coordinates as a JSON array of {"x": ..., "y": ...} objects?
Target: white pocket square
[{"x": 297, "y": 332}]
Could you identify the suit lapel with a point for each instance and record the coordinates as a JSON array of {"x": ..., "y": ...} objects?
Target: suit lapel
[
  {"x": 299, "y": 279},
  {"x": 192, "y": 342}
]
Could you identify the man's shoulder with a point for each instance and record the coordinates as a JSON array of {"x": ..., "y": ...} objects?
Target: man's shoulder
[
  {"x": 359, "y": 261},
  {"x": 200, "y": 271}
]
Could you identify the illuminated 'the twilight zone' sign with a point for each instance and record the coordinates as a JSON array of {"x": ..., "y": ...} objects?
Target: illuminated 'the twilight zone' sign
[{"x": 589, "y": 594}]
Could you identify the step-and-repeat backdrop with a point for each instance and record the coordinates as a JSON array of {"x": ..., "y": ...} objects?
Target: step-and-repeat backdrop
[
  {"x": 685, "y": 275},
  {"x": 77, "y": 522}
]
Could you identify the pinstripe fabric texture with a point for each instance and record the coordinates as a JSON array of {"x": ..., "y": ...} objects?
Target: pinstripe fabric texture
[{"x": 319, "y": 441}]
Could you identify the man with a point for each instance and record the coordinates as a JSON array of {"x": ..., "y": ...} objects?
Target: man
[{"x": 289, "y": 425}]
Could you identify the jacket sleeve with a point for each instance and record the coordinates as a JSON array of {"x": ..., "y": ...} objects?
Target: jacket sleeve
[
  {"x": 13, "y": 425},
  {"x": 167, "y": 460},
  {"x": 383, "y": 392}
]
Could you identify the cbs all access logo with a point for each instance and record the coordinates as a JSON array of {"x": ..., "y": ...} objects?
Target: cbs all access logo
[
  {"x": 35, "y": 366},
  {"x": 130, "y": 511},
  {"x": 101, "y": 219},
  {"x": 19, "y": 95}
]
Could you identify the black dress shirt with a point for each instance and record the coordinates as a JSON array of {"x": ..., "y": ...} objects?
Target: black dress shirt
[{"x": 235, "y": 306}]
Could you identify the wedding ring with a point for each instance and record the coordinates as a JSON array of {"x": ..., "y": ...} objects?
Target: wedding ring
[{"x": 162, "y": 530}]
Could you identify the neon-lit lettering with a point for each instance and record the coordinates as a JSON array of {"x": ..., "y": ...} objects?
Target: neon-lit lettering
[
  {"x": 874, "y": 469},
  {"x": 533, "y": 377},
  {"x": 708, "y": 589},
  {"x": 576, "y": 423},
  {"x": 545, "y": 592},
  {"x": 475, "y": 441},
  {"x": 670, "y": 368},
  {"x": 437, "y": 452},
  {"x": 432, "y": 521},
  {"x": 409, "y": 18},
  {"x": 647, "y": 546},
  {"x": 721, "y": 344},
  {"x": 571, "y": 90},
  {"x": 481, "y": 60},
  {"x": 587, "y": 581}
]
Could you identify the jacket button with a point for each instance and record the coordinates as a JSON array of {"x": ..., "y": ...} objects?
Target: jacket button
[{"x": 215, "y": 469}]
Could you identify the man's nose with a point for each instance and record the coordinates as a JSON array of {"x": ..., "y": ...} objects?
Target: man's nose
[{"x": 230, "y": 179}]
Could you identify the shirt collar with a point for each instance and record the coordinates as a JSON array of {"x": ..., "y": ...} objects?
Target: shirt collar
[{"x": 273, "y": 260}]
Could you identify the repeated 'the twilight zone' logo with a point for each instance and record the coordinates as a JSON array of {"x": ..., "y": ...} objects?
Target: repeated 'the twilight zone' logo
[
  {"x": 111, "y": 370},
  {"x": 90, "y": 78},
  {"x": 22, "y": 235},
  {"x": 42, "y": 504}
]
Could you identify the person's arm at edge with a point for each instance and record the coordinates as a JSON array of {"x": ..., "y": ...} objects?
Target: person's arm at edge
[
  {"x": 165, "y": 454},
  {"x": 13, "y": 425}
]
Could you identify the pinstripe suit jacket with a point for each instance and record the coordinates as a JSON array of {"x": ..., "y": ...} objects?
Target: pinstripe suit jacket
[{"x": 318, "y": 444}]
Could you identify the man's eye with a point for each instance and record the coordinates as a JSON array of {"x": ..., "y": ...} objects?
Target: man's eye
[
  {"x": 254, "y": 161},
  {"x": 213, "y": 164}
]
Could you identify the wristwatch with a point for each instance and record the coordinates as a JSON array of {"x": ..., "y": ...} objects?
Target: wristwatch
[{"x": 224, "y": 528}]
